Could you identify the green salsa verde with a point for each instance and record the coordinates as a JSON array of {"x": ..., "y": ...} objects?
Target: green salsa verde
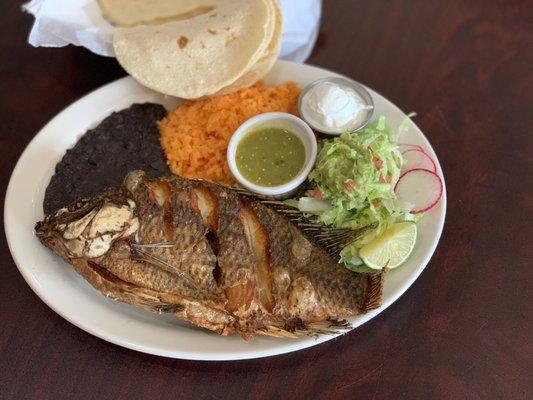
[{"x": 270, "y": 156}]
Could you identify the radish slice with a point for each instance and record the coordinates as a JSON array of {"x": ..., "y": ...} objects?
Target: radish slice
[
  {"x": 406, "y": 146},
  {"x": 418, "y": 159},
  {"x": 420, "y": 187}
]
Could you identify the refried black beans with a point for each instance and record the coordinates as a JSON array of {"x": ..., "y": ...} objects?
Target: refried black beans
[{"x": 125, "y": 141}]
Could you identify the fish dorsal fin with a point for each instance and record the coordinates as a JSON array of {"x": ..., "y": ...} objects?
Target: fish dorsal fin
[{"x": 331, "y": 240}]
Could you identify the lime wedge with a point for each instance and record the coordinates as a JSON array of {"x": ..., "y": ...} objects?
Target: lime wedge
[{"x": 392, "y": 248}]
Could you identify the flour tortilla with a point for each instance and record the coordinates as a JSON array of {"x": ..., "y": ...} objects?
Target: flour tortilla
[
  {"x": 128, "y": 13},
  {"x": 201, "y": 55},
  {"x": 267, "y": 60}
]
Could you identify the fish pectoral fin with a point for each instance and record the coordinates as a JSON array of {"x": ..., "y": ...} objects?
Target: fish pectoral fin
[{"x": 144, "y": 255}]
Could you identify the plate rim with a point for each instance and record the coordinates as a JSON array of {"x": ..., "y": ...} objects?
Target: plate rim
[{"x": 251, "y": 353}]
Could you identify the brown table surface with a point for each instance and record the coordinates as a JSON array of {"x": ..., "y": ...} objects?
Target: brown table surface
[{"x": 462, "y": 331}]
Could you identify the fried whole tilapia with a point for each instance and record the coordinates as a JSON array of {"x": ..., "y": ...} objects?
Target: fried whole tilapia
[{"x": 207, "y": 255}]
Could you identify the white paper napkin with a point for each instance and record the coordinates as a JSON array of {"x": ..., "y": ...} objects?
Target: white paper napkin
[{"x": 59, "y": 23}]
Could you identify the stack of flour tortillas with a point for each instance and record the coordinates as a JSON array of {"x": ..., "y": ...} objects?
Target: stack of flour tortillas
[{"x": 195, "y": 48}]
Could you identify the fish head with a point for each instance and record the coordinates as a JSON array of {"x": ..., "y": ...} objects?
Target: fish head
[{"x": 88, "y": 228}]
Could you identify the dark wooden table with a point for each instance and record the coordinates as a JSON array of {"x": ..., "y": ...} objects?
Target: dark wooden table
[{"x": 462, "y": 331}]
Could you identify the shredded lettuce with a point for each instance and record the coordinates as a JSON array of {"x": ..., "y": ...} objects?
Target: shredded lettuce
[{"x": 356, "y": 174}]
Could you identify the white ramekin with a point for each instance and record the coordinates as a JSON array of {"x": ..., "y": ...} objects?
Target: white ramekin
[{"x": 275, "y": 120}]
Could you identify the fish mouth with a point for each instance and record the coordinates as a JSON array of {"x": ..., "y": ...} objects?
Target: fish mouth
[
  {"x": 41, "y": 229},
  {"x": 47, "y": 227},
  {"x": 89, "y": 228}
]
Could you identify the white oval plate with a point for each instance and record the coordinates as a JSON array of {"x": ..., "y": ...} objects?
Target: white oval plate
[{"x": 58, "y": 285}]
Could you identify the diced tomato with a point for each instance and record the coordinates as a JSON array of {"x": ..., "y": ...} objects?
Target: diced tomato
[
  {"x": 349, "y": 185},
  {"x": 378, "y": 163},
  {"x": 385, "y": 179},
  {"x": 316, "y": 193}
]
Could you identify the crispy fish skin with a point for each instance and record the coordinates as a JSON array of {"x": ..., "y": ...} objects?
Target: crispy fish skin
[{"x": 209, "y": 256}]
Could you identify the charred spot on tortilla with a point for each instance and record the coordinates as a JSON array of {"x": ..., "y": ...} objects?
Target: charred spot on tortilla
[
  {"x": 212, "y": 31},
  {"x": 124, "y": 141},
  {"x": 182, "y": 41}
]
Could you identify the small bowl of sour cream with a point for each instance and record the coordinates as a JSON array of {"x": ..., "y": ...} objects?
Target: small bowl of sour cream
[{"x": 333, "y": 106}]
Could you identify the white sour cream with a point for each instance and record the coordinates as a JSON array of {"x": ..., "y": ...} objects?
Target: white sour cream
[{"x": 334, "y": 108}]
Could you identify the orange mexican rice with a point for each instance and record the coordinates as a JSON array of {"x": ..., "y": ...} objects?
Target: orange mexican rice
[{"x": 195, "y": 135}]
